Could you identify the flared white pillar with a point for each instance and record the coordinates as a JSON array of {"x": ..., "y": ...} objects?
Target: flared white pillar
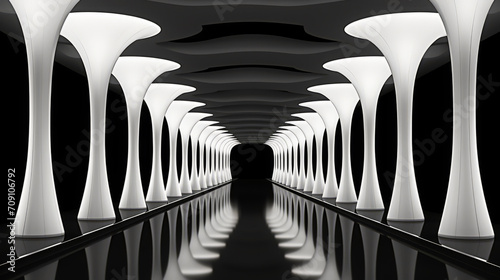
[
  {"x": 318, "y": 127},
  {"x": 194, "y": 179},
  {"x": 187, "y": 124},
  {"x": 283, "y": 158},
  {"x": 271, "y": 144},
  {"x": 345, "y": 99},
  {"x": 214, "y": 148},
  {"x": 220, "y": 159},
  {"x": 328, "y": 113},
  {"x": 227, "y": 162},
  {"x": 38, "y": 210},
  {"x": 203, "y": 154},
  {"x": 223, "y": 155},
  {"x": 286, "y": 136},
  {"x": 368, "y": 75},
  {"x": 465, "y": 213},
  {"x": 403, "y": 39},
  {"x": 100, "y": 38},
  {"x": 158, "y": 99},
  {"x": 175, "y": 113},
  {"x": 304, "y": 176},
  {"x": 277, "y": 160},
  {"x": 297, "y": 139},
  {"x": 208, "y": 157},
  {"x": 135, "y": 75}
]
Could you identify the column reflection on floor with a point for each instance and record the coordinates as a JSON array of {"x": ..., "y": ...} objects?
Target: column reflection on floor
[
  {"x": 183, "y": 243},
  {"x": 298, "y": 227}
]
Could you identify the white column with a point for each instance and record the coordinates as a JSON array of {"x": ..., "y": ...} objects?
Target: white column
[
  {"x": 318, "y": 126},
  {"x": 215, "y": 156},
  {"x": 175, "y": 113},
  {"x": 285, "y": 135},
  {"x": 135, "y": 75},
  {"x": 328, "y": 113},
  {"x": 38, "y": 210},
  {"x": 368, "y": 75},
  {"x": 187, "y": 124},
  {"x": 345, "y": 99},
  {"x": 297, "y": 140},
  {"x": 158, "y": 99},
  {"x": 465, "y": 213},
  {"x": 203, "y": 153},
  {"x": 403, "y": 39},
  {"x": 305, "y": 176},
  {"x": 100, "y": 38},
  {"x": 194, "y": 180}
]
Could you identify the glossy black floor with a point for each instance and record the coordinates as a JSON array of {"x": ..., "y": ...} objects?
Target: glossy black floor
[{"x": 344, "y": 250}]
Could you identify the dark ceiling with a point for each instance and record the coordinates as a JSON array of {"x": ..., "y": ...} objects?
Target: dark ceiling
[{"x": 251, "y": 61}]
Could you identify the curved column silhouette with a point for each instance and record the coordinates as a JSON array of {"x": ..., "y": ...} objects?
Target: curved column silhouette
[
  {"x": 158, "y": 99},
  {"x": 173, "y": 271},
  {"x": 194, "y": 179},
  {"x": 175, "y": 113},
  {"x": 218, "y": 146},
  {"x": 38, "y": 210},
  {"x": 344, "y": 98},
  {"x": 293, "y": 153},
  {"x": 465, "y": 213},
  {"x": 300, "y": 239},
  {"x": 279, "y": 157},
  {"x": 316, "y": 266},
  {"x": 275, "y": 215},
  {"x": 199, "y": 252},
  {"x": 368, "y": 75},
  {"x": 214, "y": 156},
  {"x": 220, "y": 174},
  {"x": 276, "y": 161},
  {"x": 393, "y": 34},
  {"x": 100, "y": 38},
  {"x": 188, "y": 265},
  {"x": 185, "y": 128},
  {"x": 370, "y": 240},
  {"x": 347, "y": 227},
  {"x": 328, "y": 113},
  {"x": 406, "y": 257},
  {"x": 308, "y": 136},
  {"x": 26, "y": 246},
  {"x": 294, "y": 229},
  {"x": 132, "y": 237},
  {"x": 285, "y": 136},
  {"x": 479, "y": 248},
  {"x": 318, "y": 127},
  {"x": 285, "y": 223},
  {"x": 210, "y": 156},
  {"x": 306, "y": 251},
  {"x": 203, "y": 154},
  {"x": 135, "y": 74},
  {"x": 97, "y": 253},
  {"x": 156, "y": 226},
  {"x": 205, "y": 240},
  {"x": 331, "y": 269},
  {"x": 227, "y": 160},
  {"x": 301, "y": 140}
]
